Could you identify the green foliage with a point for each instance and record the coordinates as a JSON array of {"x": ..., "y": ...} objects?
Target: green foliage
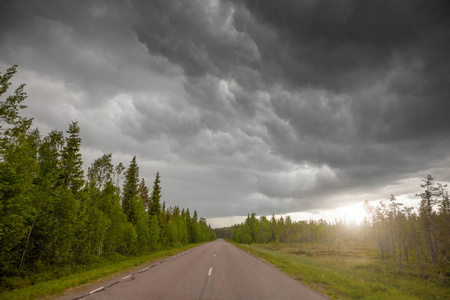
[
  {"x": 71, "y": 163},
  {"x": 16, "y": 125},
  {"x": 131, "y": 190},
  {"x": 142, "y": 225},
  {"x": 18, "y": 150},
  {"x": 353, "y": 272},
  {"x": 53, "y": 221},
  {"x": 154, "y": 233},
  {"x": 155, "y": 199},
  {"x": 144, "y": 194},
  {"x": 38, "y": 286},
  {"x": 404, "y": 240},
  {"x": 101, "y": 173}
]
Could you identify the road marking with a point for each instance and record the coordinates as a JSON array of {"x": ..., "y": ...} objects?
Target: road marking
[
  {"x": 214, "y": 255},
  {"x": 96, "y": 290},
  {"x": 145, "y": 269},
  {"x": 126, "y": 277},
  {"x": 210, "y": 270}
]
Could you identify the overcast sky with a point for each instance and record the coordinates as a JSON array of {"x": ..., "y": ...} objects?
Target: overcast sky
[{"x": 244, "y": 106}]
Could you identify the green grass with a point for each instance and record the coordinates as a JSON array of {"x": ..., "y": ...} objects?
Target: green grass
[
  {"x": 53, "y": 288},
  {"x": 351, "y": 273}
]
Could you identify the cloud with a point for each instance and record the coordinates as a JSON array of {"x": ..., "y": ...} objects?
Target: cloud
[{"x": 244, "y": 105}]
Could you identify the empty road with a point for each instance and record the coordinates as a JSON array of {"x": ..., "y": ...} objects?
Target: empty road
[{"x": 217, "y": 270}]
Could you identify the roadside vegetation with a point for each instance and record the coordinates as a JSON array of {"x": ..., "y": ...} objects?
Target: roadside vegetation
[
  {"x": 55, "y": 221},
  {"x": 74, "y": 279},
  {"x": 396, "y": 253},
  {"x": 350, "y": 273}
]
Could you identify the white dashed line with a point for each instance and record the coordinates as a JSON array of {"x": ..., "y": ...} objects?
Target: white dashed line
[
  {"x": 210, "y": 270},
  {"x": 145, "y": 269},
  {"x": 96, "y": 290},
  {"x": 126, "y": 277}
]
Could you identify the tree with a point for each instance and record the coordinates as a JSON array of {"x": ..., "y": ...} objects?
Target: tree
[
  {"x": 130, "y": 190},
  {"x": 155, "y": 208},
  {"x": 265, "y": 233},
  {"x": 109, "y": 204},
  {"x": 16, "y": 125},
  {"x": 18, "y": 166},
  {"x": 154, "y": 233},
  {"x": 426, "y": 213},
  {"x": 188, "y": 219},
  {"x": 71, "y": 162},
  {"x": 144, "y": 194},
  {"x": 141, "y": 223},
  {"x": 50, "y": 220},
  {"x": 101, "y": 172}
]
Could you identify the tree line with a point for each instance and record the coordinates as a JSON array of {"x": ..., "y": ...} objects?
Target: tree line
[
  {"x": 402, "y": 236},
  {"x": 51, "y": 214}
]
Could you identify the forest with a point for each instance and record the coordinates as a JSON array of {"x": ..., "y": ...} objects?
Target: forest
[
  {"x": 405, "y": 238},
  {"x": 53, "y": 217}
]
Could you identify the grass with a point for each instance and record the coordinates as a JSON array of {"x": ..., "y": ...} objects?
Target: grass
[
  {"x": 53, "y": 288},
  {"x": 350, "y": 273}
]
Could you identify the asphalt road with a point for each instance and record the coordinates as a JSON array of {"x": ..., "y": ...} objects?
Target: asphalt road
[{"x": 217, "y": 270}]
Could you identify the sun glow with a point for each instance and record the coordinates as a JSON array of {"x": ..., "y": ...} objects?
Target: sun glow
[{"x": 352, "y": 213}]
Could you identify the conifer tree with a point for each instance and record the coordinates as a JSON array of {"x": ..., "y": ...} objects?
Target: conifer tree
[
  {"x": 189, "y": 225},
  {"x": 426, "y": 213},
  {"x": 130, "y": 190},
  {"x": 71, "y": 162},
  {"x": 155, "y": 198}
]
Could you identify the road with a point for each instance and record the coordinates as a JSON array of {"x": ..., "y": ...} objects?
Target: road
[{"x": 216, "y": 270}]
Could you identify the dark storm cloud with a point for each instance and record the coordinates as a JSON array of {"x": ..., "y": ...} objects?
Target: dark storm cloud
[
  {"x": 198, "y": 35},
  {"x": 244, "y": 106},
  {"x": 383, "y": 65},
  {"x": 332, "y": 43}
]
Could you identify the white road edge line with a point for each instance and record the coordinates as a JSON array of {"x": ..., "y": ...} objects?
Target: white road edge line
[
  {"x": 96, "y": 290},
  {"x": 145, "y": 269},
  {"x": 210, "y": 270},
  {"x": 126, "y": 277}
]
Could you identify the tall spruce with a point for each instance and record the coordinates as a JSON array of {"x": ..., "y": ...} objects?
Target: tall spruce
[
  {"x": 155, "y": 209},
  {"x": 71, "y": 163},
  {"x": 130, "y": 189}
]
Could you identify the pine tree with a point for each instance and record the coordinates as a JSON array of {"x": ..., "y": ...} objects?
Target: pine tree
[
  {"x": 426, "y": 213},
  {"x": 71, "y": 162},
  {"x": 155, "y": 198},
  {"x": 130, "y": 190},
  {"x": 189, "y": 226}
]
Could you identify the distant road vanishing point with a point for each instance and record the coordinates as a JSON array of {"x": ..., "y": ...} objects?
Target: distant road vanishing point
[{"x": 216, "y": 270}]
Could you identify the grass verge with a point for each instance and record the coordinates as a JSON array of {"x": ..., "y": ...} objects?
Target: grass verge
[
  {"x": 348, "y": 273},
  {"x": 54, "y": 288}
]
